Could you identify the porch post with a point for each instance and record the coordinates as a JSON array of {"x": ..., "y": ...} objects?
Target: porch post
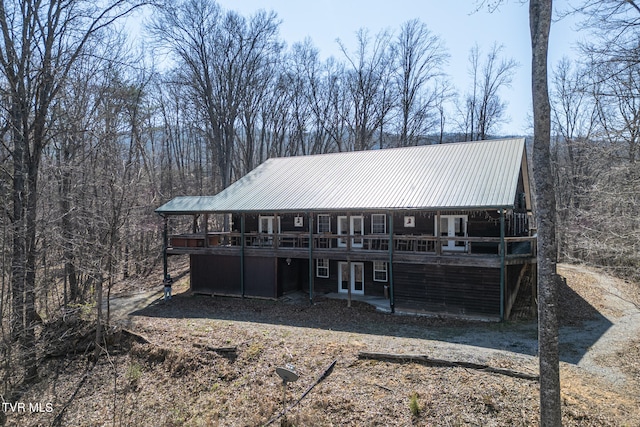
[
  {"x": 351, "y": 279},
  {"x": 310, "y": 222},
  {"x": 392, "y": 303},
  {"x": 242, "y": 254},
  {"x": 502, "y": 267},
  {"x": 205, "y": 229},
  {"x": 438, "y": 233},
  {"x": 165, "y": 244}
]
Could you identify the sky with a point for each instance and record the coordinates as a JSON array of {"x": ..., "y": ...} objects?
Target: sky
[{"x": 454, "y": 21}]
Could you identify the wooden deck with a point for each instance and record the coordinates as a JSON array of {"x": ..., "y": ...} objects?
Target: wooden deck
[{"x": 414, "y": 249}]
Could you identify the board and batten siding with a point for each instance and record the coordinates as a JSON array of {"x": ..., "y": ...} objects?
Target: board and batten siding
[
  {"x": 220, "y": 275},
  {"x": 451, "y": 289}
]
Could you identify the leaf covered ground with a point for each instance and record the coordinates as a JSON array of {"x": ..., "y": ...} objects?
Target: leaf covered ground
[{"x": 171, "y": 367}]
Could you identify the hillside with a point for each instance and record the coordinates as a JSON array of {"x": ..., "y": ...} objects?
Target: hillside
[{"x": 173, "y": 364}]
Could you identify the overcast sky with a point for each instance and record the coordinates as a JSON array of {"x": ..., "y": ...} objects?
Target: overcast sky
[{"x": 454, "y": 21}]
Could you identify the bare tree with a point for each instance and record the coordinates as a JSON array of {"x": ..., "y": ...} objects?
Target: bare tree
[
  {"x": 40, "y": 43},
  {"x": 421, "y": 56},
  {"x": 483, "y": 108},
  {"x": 614, "y": 26},
  {"x": 367, "y": 79},
  {"x": 221, "y": 56},
  {"x": 329, "y": 103}
]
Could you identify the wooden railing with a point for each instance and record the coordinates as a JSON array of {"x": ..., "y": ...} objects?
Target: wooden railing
[{"x": 404, "y": 243}]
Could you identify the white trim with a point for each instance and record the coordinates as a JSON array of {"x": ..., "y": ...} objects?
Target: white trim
[
  {"x": 384, "y": 217},
  {"x": 451, "y": 244},
  {"x": 270, "y": 227},
  {"x": 318, "y": 225},
  {"x": 385, "y": 271},
  {"x": 352, "y": 275},
  {"x": 342, "y": 242},
  {"x": 318, "y": 267},
  {"x": 355, "y": 241}
]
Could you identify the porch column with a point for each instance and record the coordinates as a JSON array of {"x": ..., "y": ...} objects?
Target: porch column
[
  {"x": 311, "y": 266},
  {"x": 242, "y": 255},
  {"x": 276, "y": 234},
  {"x": 165, "y": 244},
  {"x": 205, "y": 229},
  {"x": 438, "y": 233},
  {"x": 194, "y": 225},
  {"x": 502, "y": 266},
  {"x": 351, "y": 279},
  {"x": 392, "y": 303}
]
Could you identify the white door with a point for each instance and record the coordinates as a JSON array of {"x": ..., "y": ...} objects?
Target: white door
[
  {"x": 353, "y": 226},
  {"x": 343, "y": 230},
  {"x": 357, "y": 227},
  {"x": 453, "y": 226},
  {"x": 351, "y": 278},
  {"x": 266, "y": 225}
]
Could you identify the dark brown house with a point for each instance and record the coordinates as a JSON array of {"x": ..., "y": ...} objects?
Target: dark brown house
[{"x": 437, "y": 228}]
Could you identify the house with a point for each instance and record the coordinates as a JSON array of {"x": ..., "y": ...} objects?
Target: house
[{"x": 438, "y": 228}]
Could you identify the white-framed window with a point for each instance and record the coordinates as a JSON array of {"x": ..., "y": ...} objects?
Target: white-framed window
[
  {"x": 324, "y": 224},
  {"x": 266, "y": 224},
  {"x": 378, "y": 224},
  {"x": 322, "y": 268},
  {"x": 380, "y": 271}
]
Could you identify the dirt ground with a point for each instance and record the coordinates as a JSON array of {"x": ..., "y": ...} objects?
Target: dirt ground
[{"x": 204, "y": 361}]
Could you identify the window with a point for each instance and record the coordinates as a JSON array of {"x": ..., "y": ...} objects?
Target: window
[
  {"x": 378, "y": 224},
  {"x": 322, "y": 268},
  {"x": 324, "y": 224},
  {"x": 379, "y": 271}
]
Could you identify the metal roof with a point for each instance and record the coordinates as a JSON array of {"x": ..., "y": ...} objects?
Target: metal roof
[{"x": 466, "y": 175}]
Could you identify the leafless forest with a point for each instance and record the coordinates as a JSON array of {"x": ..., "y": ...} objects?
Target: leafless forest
[{"x": 97, "y": 131}]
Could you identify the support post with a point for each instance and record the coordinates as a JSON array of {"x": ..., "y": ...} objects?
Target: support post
[
  {"x": 392, "y": 303},
  {"x": 165, "y": 244},
  {"x": 502, "y": 265},
  {"x": 311, "y": 266},
  {"x": 242, "y": 221},
  {"x": 205, "y": 229},
  {"x": 276, "y": 232},
  {"x": 351, "y": 279},
  {"x": 438, "y": 235}
]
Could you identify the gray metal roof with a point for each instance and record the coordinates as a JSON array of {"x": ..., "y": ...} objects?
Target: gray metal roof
[{"x": 468, "y": 175}]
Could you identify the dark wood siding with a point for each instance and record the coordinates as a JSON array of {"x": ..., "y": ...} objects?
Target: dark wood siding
[
  {"x": 290, "y": 275},
  {"x": 441, "y": 288},
  {"x": 513, "y": 274},
  {"x": 330, "y": 284},
  {"x": 215, "y": 274},
  {"x": 220, "y": 274},
  {"x": 260, "y": 277}
]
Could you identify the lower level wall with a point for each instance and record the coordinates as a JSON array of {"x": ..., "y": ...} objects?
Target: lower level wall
[
  {"x": 425, "y": 287},
  {"x": 221, "y": 275},
  {"x": 446, "y": 288}
]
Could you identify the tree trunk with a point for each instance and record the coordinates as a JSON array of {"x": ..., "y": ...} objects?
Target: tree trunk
[
  {"x": 540, "y": 23},
  {"x": 18, "y": 260},
  {"x": 30, "y": 315}
]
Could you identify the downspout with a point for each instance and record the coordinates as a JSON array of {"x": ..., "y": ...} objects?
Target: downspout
[
  {"x": 502, "y": 266},
  {"x": 165, "y": 244},
  {"x": 310, "y": 258},
  {"x": 242, "y": 254},
  {"x": 392, "y": 304}
]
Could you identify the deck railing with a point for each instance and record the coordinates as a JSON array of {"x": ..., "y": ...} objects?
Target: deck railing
[{"x": 403, "y": 243}]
